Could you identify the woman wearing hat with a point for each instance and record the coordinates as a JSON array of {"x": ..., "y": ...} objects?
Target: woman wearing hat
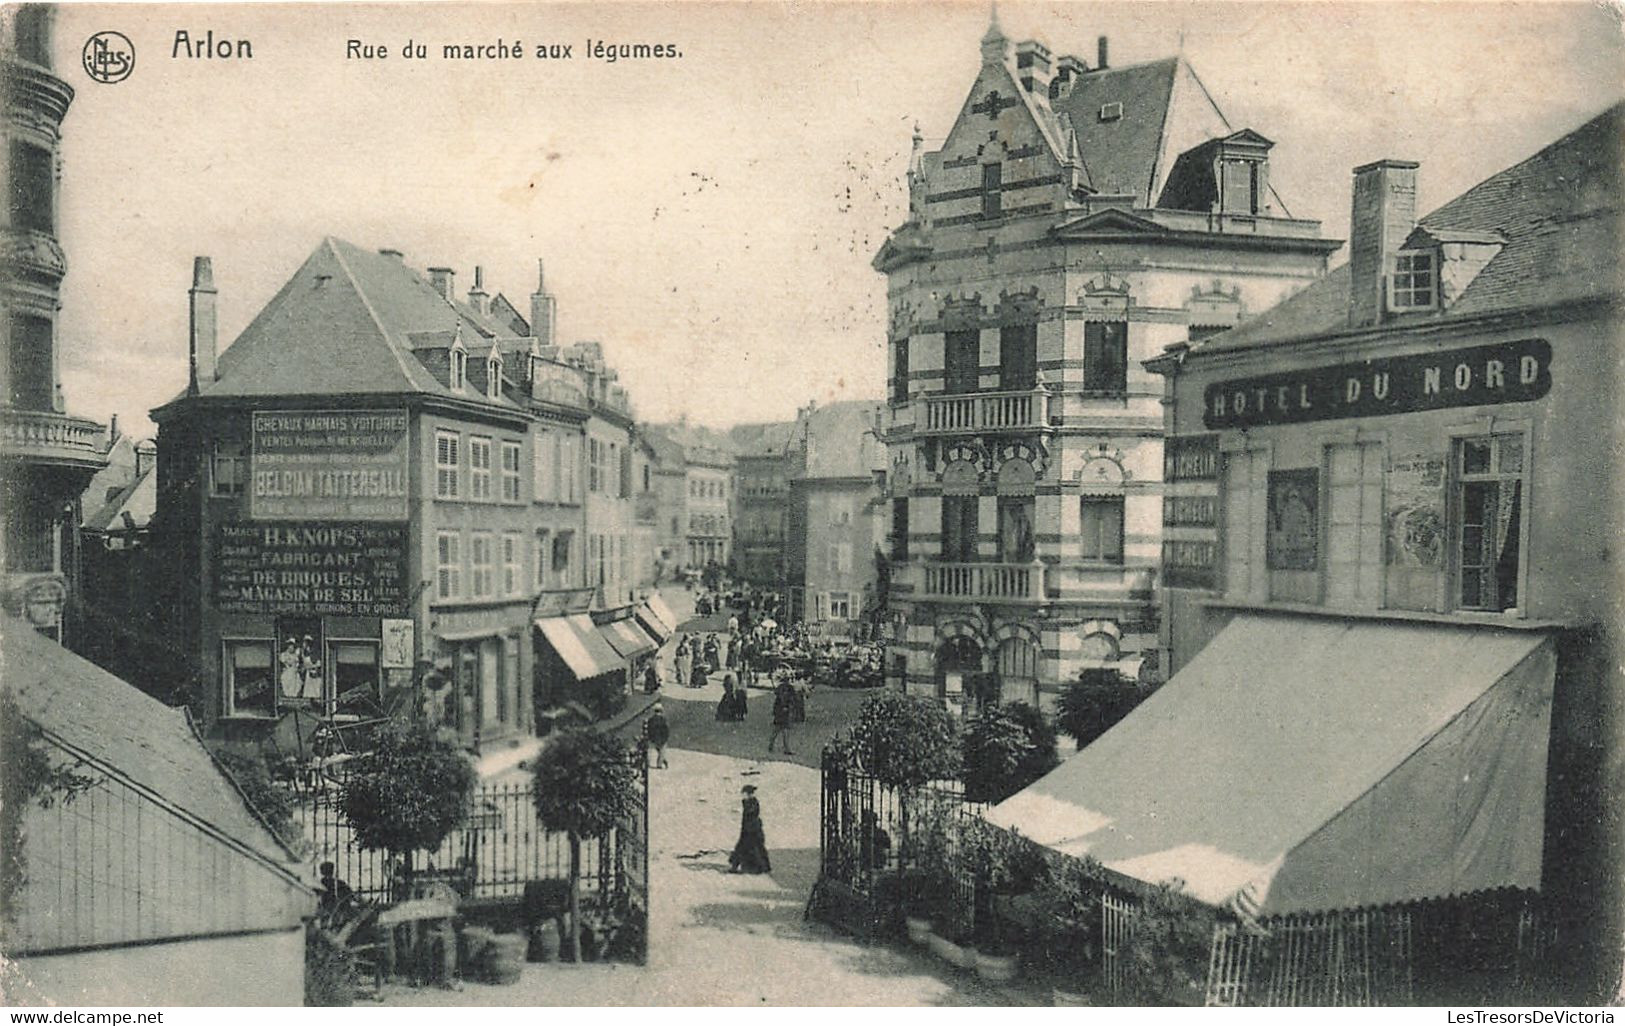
[{"x": 750, "y": 853}]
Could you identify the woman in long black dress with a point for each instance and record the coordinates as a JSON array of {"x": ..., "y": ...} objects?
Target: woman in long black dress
[{"x": 750, "y": 853}]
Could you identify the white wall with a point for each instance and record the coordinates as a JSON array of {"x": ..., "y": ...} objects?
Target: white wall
[{"x": 258, "y": 969}]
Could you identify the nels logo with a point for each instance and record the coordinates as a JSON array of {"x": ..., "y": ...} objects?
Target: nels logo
[{"x": 109, "y": 57}]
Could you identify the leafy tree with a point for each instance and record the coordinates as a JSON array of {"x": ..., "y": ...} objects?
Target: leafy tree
[
  {"x": 272, "y": 801},
  {"x": 1041, "y": 758},
  {"x": 585, "y": 784},
  {"x": 995, "y": 747},
  {"x": 410, "y": 792},
  {"x": 1095, "y": 702}
]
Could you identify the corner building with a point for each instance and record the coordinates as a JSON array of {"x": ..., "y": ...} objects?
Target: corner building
[{"x": 1075, "y": 221}]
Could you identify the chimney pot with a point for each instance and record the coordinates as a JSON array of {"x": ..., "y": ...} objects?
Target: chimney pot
[
  {"x": 1100, "y": 54},
  {"x": 201, "y": 303},
  {"x": 442, "y": 278},
  {"x": 1383, "y": 214}
]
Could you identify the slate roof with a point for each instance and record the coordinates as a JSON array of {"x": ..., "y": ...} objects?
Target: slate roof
[
  {"x": 1559, "y": 212},
  {"x": 769, "y": 439},
  {"x": 345, "y": 324},
  {"x": 139, "y": 498},
  {"x": 1121, "y": 155},
  {"x": 140, "y": 738}
]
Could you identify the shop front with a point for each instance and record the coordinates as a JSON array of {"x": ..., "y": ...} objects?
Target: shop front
[{"x": 577, "y": 668}]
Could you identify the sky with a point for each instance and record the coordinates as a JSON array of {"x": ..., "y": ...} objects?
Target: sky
[{"x": 710, "y": 219}]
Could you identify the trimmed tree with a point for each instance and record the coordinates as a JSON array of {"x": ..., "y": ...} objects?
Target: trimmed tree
[
  {"x": 1095, "y": 702},
  {"x": 410, "y": 792},
  {"x": 585, "y": 784},
  {"x": 996, "y": 747},
  {"x": 905, "y": 742},
  {"x": 1041, "y": 757}
]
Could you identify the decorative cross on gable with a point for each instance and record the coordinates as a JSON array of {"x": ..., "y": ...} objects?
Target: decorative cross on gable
[{"x": 993, "y": 104}]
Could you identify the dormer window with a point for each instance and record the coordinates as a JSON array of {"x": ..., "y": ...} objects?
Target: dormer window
[
  {"x": 1413, "y": 285},
  {"x": 493, "y": 379},
  {"x": 1111, "y": 111},
  {"x": 459, "y": 368}
]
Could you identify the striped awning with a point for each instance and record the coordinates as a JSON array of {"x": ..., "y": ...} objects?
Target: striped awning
[
  {"x": 581, "y": 646},
  {"x": 627, "y": 638},
  {"x": 656, "y": 618}
]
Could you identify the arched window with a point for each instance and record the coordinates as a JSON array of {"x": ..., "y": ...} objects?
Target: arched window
[{"x": 1017, "y": 670}]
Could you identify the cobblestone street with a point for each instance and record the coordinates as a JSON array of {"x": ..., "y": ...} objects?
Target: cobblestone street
[{"x": 722, "y": 939}]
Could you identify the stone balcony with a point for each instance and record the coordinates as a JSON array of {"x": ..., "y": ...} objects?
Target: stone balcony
[
  {"x": 980, "y": 412},
  {"x": 35, "y": 436},
  {"x": 1024, "y": 583}
]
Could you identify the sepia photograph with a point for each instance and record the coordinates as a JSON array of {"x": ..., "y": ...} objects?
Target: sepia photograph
[{"x": 908, "y": 504}]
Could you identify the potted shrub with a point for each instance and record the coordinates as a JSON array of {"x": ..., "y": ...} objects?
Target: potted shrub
[
  {"x": 408, "y": 794},
  {"x": 1068, "y": 897}
]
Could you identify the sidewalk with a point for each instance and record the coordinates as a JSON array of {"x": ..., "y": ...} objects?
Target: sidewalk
[{"x": 508, "y": 759}]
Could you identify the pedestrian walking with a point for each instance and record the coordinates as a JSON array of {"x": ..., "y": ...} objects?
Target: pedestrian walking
[
  {"x": 658, "y": 732},
  {"x": 783, "y": 713},
  {"x": 651, "y": 678},
  {"x": 750, "y": 851},
  {"x": 696, "y": 668},
  {"x": 679, "y": 663}
]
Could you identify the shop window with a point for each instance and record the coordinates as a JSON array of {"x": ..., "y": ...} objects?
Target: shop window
[
  {"x": 250, "y": 683},
  {"x": 229, "y": 469},
  {"x": 1105, "y": 357},
  {"x": 481, "y": 563},
  {"x": 479, "y": 469},
  {"x": 1101, "y": 528},
  {"x": 33, "y": 182},
  {"x": 1411, "y": 286},
  {"x": 510, "y": 472},
  {"x": 447, "y": 464},
  {"x": 962, "y": 361},
  {"x": 29, "y": 360},
  {"x": 1018, "y": 357},
  {"x": 1487, "y": 514},
  {"x": 449, "y": 551},
  {"x": 355, "y": 674}
]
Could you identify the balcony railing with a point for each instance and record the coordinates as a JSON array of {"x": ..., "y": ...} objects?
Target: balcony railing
[
  {"x": 51, "y": 437},
  {"x": 984, "y": 582},
  {"x": 984, "y": 411}
]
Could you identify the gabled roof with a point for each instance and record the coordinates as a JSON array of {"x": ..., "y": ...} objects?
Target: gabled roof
[
  {"x": 1122, "y": 154},
  {"x": 1109, "y": 221},
  {"x": 769, "y": 439},
  {"x": 1558, "y": 212},
  {"x": 347, "y": 322},
  {"x": 92, "y": 712},
  {"x": 139, "y": 498}
]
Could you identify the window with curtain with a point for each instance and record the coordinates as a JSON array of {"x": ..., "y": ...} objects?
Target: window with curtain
[
  {"x": 1105, "y": 357},
  {"x": 959, "y": 516},
  {"x": 250, "y": 689},
  {"x": 1101, "y": 528},
  {"x": 1016, "y": 529},
  {"x": 961, "y": 361},
  {"x": 1018, "y": 357},
  {"x": 1487, "y": 510}
]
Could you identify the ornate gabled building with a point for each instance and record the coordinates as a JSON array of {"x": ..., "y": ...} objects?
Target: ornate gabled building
[
  {"x": 47, "y": 456},
  {"x": 1074, "y": 222}
]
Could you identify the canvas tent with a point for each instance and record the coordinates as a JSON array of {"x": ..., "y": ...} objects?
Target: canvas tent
[{"x": 1300, "y": 764}]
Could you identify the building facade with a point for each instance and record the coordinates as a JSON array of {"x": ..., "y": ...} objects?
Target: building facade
[
  {"x": 361, "y": 523},
  {"x": 47, "y": 456},
  {"x": 1425, "y": 444},
  {"x": 761, "y": 477},
  {"x": 835, "y": 518},
  {"x": 1074, "y": 222}
]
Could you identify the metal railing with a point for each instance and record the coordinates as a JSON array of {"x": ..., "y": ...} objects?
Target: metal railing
[
  {"x": 984, "y": 411},
  {"x": 983, "y": 582}
]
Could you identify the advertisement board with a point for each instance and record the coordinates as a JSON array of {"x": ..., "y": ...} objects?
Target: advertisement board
[
  {"x": 311, "y": 568},
  {"x": 328, "y": 465}
]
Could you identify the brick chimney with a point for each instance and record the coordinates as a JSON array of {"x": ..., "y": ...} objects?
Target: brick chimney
[
  {"x": 1383, "y": 214},
  {"x": 543, "y": 310},
  {"x": 1034, "y": 67},
  {"x": 201, "y": 303},
  {"x": 478, "y": 298},
  {"x": 1100, "y": 54},
  {"x": 443, "y": 279}
]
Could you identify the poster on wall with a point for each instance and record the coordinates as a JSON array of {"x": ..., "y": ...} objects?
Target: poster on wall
[
  {"x": 328, "y": 465},
  {"x": 1292, "y": 538},
  {"x": 300, "y": 670},
  {"x": 1415, "y": 493},
  {"x": 395, "y": 652}
]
